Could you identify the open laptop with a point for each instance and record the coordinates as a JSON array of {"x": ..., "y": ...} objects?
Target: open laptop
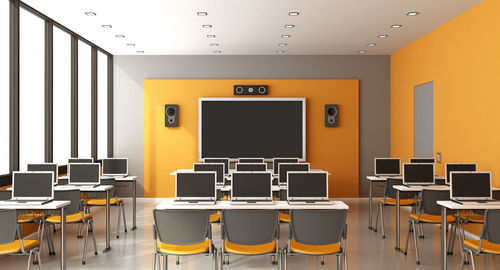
[
  {"x": 219, "y": 160},
  {"x": 45, "y": 167},
  {"x": 250, "y": 160},
  {"x": 251, "y": 167},
  {"x": 278, "y": 161},
  {"x": 80, "y": 160},
  {"x": 307, "y": 187},
  {"x": 219, "y": 168},
  {"x": 195, "y": 187},
  {"x": 84, "y": 174},
  {"x": 387, "y": 166},
  {"x": 286, "y": 167},
  {"x": 458, "y": 167},
  {"x": 471, "y": 187},
  {"x": 251, "y": 188},
  {"x": 418, "y": 174},
  {"x": 34, "y": 188},
  {"x": 115, "y": 167}
]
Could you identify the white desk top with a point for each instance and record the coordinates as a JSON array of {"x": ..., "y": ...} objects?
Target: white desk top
[
  {"x": 469, "y": 206},
  {"x": 420, "y": 188},
  {"x": 127, "y": 178},
  {"x": 278, "y": 205},
  {"x": 53, "y": 205},
  {"x": 384, "y": 178},
  {"x": 100, "y": 188}
]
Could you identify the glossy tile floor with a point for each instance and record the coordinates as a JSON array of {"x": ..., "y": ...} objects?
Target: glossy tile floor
[{"x": 366, "y": 249}]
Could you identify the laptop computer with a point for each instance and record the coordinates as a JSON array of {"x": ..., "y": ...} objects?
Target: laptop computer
[
  {"x": 307, "y": 187},
  {"x": 471, "y": 187},
  {"x": 250, "y": 160},
  {"x": 219, "y": 160},
  {"x": 219, "y": 168},
  {"x": 458, "y": 167},
  {"x": 45, "y": 167},
  {"x": 84, "y": 174},
  {"x": 115, "y": 167},
  {"x": 80, "y": 160},
  {"x": 418, "y": 174},
  {"x": 195, "y": 187},
  {"x": 387, "y": 166},
  {"x": 278, "y": 161},
  {"x": 286, "y": 167},
  {"x": 35, "y": 188},
  {"x": 251, "y": 188},
  {"x": 251, "y": 167}
]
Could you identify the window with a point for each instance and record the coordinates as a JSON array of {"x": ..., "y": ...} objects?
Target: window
[
  {"x": 4, "y": 87},
  {"x": 31, "y": 89},
  {"x": 62, "y": 97},
  {"x": 102, "y": 105},
  {"x": 84, "y": 100}
]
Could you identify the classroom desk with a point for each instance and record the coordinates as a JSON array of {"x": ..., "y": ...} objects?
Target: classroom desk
[
  {"x": 445, "y": 205},
  {"x": 53, "y": 205},
  {"x": 222, "y": 205}
]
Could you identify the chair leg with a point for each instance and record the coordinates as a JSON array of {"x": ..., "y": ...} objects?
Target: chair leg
[
  {"x": 415, "y": 241},
  {"x": 118, "y": 223},
  {"x": 38, "y": 258},
  {"x": 79, "y": 232},
  {"x": 154, "y": 260},
  {"x": 339, "y": 262},
  {"x": 285, "y": 258},
  {"x": 382, "y": 220},
  {"x": 322, "y": 259},
  {"x": 165, "y": 262},
  {"x": 124, "y": 219},
  {"x": 86, "y": 232},
  {"x": 40, "y": 236},
  {"x": 280, "y": 266},
  {"x": 454, "y": 236},
  {"x": 93, "y": 236},
  {"x": 29, "y": 260},
  {"x": 421, "y": 230},
  {"x": 345, "y": 260},
  {"x": 472, "y": 260},
  {"x": 408, "y": 237},
  {"x": 50, "y": 235},
  {"x": 376, "y": 219},
  {"x": 177, "y": 260}
]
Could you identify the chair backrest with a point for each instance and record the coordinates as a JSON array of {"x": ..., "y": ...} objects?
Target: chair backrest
[
  {"x": 429, "y": 199},
  {"x": 317, "y": 227},
  {"x": 8, "y": 226},
  {"x": 72, "y": 195},
  {"x": 182, "y": 227},
  {"x": 250, "y": 227},
  {"x": 102, "y": 195},
  {"x": 492, "y": 223},
  {"x": 5, "y": 194},
  {"x": 390, "y": 192}
]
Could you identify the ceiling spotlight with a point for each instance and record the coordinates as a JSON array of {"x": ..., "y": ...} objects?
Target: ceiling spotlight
[
  {"x": 371, "y": 44},
  {"x": 289, "y": 26},
  {"x": 214, "y": 44},
  {"x": 106, "y": 26},
  {"x": 119, "y": 36},
  {"x": 293, "y": 13},
  {"x": 285, "y": 36},
  {"x": 131, "y": 44},
  {"x": 201, "y": 13},
  {"x": 362, "y": 52},
  {"x": 283, "y": 44},
  {"x": 210, "y": 36},
  {"x": 217, "y": 51},
  {"x": 90, "y": 13},
  {"x": 140, "y": 51},
  {"x": 383, "y": 36},
  {"x": 280, "y": 52},
  {"x": 207, "y": 26},
  {"x": 412, "y": 13},
  {"x": 396, "y": 26}
]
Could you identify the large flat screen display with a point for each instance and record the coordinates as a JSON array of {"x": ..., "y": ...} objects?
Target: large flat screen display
[{"x": 252, "y": 127}]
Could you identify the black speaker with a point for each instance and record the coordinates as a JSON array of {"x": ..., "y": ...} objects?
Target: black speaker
[
  {"x": 171, "y": 115},
  {"x": 331, "y": 115},
  {"x": 250, "y": 90}
]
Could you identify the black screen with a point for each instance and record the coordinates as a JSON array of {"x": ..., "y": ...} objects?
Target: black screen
[
  {"x": 44, "y": 168},
  {"x": 472, "y": 185},
  {"x": 251, "y": 185},
  {"x": 251, "y": 167},
  {"x": 195, "y": 184},
  {"x": 33, "y": 184},
  {"x": 307, "y": 185},
  {"x": 421, "y": 160},
  {"x": 114, "y": 166},
  {"x": 387, "y": 166},
  {"x": 458, "y": 168},
  {"x": 258, "y": 128},
  {"x": 214, "y": 167},
  {"x": 84, "y": 173},
  {"x": 277, "y": 161},
  {"x": 250, "y": 160},
  {"x": 418, "y": 173},
  {"x": 80, "y": 160},
  {"x": 219, "y": 160},
  {"x": 286, "y": 167}
]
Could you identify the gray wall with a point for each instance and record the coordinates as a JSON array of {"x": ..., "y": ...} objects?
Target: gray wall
[{"x": 372, "y": 71}]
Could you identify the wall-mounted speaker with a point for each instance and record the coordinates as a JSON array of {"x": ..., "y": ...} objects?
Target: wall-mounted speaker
[
  {"x": 331, "y": 115},
  {"x": 250, "y": 90},
  {"x": 171, "y": 115}
]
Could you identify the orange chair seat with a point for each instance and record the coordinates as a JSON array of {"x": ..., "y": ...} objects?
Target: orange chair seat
[
  {"x": 432, "y": 218},
  {"x": 314, "y": 249},
  {"x": 25, "y": 218},
  {"x": 69, "y": 218},
  {"x": 215, "y": 217},
  {"x": 284, "y": 217},
  {"x": 250, "y": 249},
  {"x": 102, "y": 202},
  {"x": 15, "y": 247},
  {"x": 403, "y": 202},
  {"x": 202, "y": 247},
  {"x": 472, "y": 217},
  {"x": 487, "y": 247}
]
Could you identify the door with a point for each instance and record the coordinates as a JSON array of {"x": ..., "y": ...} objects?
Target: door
[{"x": 424, "y": 120}]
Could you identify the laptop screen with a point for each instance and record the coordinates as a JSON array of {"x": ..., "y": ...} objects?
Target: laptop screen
[
  {"x": 307, "y": 185},
  {"x": 455, "y": 167},
  {"x": 421, "y": 160},
  {"x": 277, "y": 161},
  {"x": 219, "y": 160},
  {"x": 286, "y": 167},
  {"x": 387, "y": 166},
  {"x": 211, "y": 167},
  {"x": 418, "y": 173},
  {"x": 251, "y": 185},
  {"x": 195, "y": 185},
  {"x": 470, "y": 185},
  {"x": 80, "y": 160},
  {"x": 33, "y": 185},
  {"x": 251, "y": 167},
  {"x": 84, "y": 173},
  {"x": 250, "y": 160},
  {"x": 44, "y": 167},
  {"x": 115, "y": 166}
]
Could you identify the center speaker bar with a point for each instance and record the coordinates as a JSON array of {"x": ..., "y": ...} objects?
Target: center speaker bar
[{"x": 250, "y": 90}]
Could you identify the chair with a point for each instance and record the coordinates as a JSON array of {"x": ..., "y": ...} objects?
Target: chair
[
  {"x": 99, "y": 199},
  {"x": 9, "y": 230},
  {"x": 428, "y": 212},
  {"x": 250, "y": 232},
  {"x": 405, "y": 199},
  {"x": 489, "y": 240},
  {"x": 317, "y": 233},
  {"x": 182, "y": 233},
  {"x": 75, "y": 214}
]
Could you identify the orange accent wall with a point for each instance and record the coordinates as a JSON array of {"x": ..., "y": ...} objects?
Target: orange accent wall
[{"x": 332, "y": 149}]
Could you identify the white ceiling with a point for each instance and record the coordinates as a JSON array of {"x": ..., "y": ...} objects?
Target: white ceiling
[{"x": 251, "y": 27}]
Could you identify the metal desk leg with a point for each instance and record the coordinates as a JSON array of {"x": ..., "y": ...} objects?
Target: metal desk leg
[
  {"x": 397, "y": 219},
  {"x": 108, "y": 246},
  {"x": 63, "y": 239},
  {"x": 134, "y": 206},
  {"x": 443, "y": 238},
  {"x": 370, "y": 196}
]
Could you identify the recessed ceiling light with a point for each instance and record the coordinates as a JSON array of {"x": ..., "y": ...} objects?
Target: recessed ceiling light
[
  {"x": 362, "y": 52},
  {"x": 371, "y": 44},
  {"x": 207, "y": 26},
  {"x": 201, "y": 13},
  {"x": 283, "y": 44},
  {"x": 210, "y": 36},
  {"x": 293, "y": 13},
  {"x": 396, "y": 26},
  {"x": 412, "y": 13},
  {"x": 383, "y": 36},
  {"x": 106, "y": 26},
  {"x": 214, "y": 44},
  {"x": 285, "y": 36},
  {"x": 90, "y": 13},
  {"x": 119, "y": 36},
  {"x": 280, "y": 52},
  {"x": 140, "y": 51},
  {"x": 130, "y": 44},
  {"x": 289, "y": 26},
  {"x": 217, "y": 51}
]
